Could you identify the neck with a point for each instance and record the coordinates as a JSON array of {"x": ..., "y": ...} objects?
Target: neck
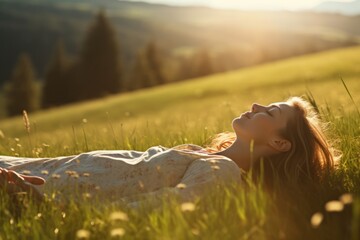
[{"x": 240, "y": 153}]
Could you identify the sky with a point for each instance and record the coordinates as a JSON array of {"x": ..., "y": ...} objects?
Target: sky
[{"x": 248, "y": 4}]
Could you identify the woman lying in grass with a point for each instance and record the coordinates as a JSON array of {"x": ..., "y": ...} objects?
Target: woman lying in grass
[{"x": 285, "y": 138}]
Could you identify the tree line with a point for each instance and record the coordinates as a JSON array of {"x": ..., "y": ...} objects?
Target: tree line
[{"x": 98, "y": 71}]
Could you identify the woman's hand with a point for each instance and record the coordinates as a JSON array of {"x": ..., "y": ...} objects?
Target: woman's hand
[{"x": 14, "y": 182}]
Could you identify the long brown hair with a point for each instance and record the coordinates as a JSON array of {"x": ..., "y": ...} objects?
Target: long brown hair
[{"x": 310, "y": 159}]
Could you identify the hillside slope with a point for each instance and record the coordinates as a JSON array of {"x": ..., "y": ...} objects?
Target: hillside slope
[
  {"x": 209, "y": 102},
  {"x": 34, "y": 27}
]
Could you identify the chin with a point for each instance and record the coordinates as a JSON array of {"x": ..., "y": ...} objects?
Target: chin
[
  {"x": 240, "y": 128},
  {"x": 237, "y": 125}
]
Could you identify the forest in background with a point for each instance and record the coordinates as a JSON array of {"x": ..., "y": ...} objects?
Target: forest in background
[
  {"x": 226, "y": 39},
  {"x": 36, "y": 26}
]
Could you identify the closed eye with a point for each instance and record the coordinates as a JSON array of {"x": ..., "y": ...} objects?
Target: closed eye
[{"x": 268, "y": 112}]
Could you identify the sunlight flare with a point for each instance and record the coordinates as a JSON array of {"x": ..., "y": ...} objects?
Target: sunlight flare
[
  {"x": 119, "y": 216},
  {"x": 181, "y": 186},
  {"x": 316, "y": 219},
  {"x": 334, "y": 206},
  {"x": 346, "y": 198},
  {"x": 117, "y": 232},
  {"x": 82, "y": 234},
  {"x": 188, "y": 207}
]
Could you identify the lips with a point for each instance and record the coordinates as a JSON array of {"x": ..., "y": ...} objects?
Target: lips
[{"x": 247, "y": 115}]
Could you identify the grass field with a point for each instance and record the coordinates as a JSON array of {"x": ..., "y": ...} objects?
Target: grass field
[{"x": 192, "y": 112}]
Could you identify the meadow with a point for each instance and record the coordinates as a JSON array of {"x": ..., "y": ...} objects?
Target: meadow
[{"x": 193, "y": 112}]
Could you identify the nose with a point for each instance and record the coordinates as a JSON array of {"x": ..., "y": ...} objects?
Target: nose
[{"x": 255, "y": 107}]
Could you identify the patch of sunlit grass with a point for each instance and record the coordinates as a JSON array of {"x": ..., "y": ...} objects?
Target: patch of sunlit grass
[{"x": 233, "y": 211}]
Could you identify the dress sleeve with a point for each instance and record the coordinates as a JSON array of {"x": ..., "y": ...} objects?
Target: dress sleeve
[
  {"x": 200, "y": 176},
  {"x": 205, "y": 173}
]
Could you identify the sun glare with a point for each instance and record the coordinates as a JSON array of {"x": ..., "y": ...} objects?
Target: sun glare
[
  {"x": 268, "y": 5},
  {"x": 248, "y": 5}
]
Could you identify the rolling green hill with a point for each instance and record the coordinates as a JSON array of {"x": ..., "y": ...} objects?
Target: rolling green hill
[
  {"x": 34, "y": 26},
  {"x": 192, "y": 112},
  {"x": 178, "y": 113}
]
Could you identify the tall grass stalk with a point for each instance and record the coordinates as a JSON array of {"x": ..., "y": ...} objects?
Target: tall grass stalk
[
  {"x": 85, "y": 137},
  {"x": 27, "y": 129},
  {"x": 112, "y": 130},
  {"x": 352, "y": 99},
  {"x": 75, "y": 139}
]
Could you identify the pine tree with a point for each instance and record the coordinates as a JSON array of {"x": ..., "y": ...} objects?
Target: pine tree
[
  {"x": 154, "y": 61},
  {"x": 100, "y": 64},
  {"x": 147, "y": 70},
  {"x": 184, "y": 68},
  {"x": 21, "y": 92},
  {"x": 202, "y": 64},
  {"x": 141, "y": 76},
  {"x": 56, "y": 87}
]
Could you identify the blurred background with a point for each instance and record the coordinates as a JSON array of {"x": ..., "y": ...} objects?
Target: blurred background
[{"x": 56, "y": 52}]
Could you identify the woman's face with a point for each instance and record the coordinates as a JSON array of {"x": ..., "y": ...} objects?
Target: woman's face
[{"x": 262, "y": 123}]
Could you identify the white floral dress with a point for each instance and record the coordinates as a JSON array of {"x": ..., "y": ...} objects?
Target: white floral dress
[{"x": 185, "y": 169}]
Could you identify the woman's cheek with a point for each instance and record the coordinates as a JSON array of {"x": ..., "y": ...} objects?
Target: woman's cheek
[
  {"x": 259, "y": 128},
  {"x": 255, "y": 128}
]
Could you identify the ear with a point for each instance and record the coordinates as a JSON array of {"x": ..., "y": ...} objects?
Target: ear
[{"x": 280, "y": 144}]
